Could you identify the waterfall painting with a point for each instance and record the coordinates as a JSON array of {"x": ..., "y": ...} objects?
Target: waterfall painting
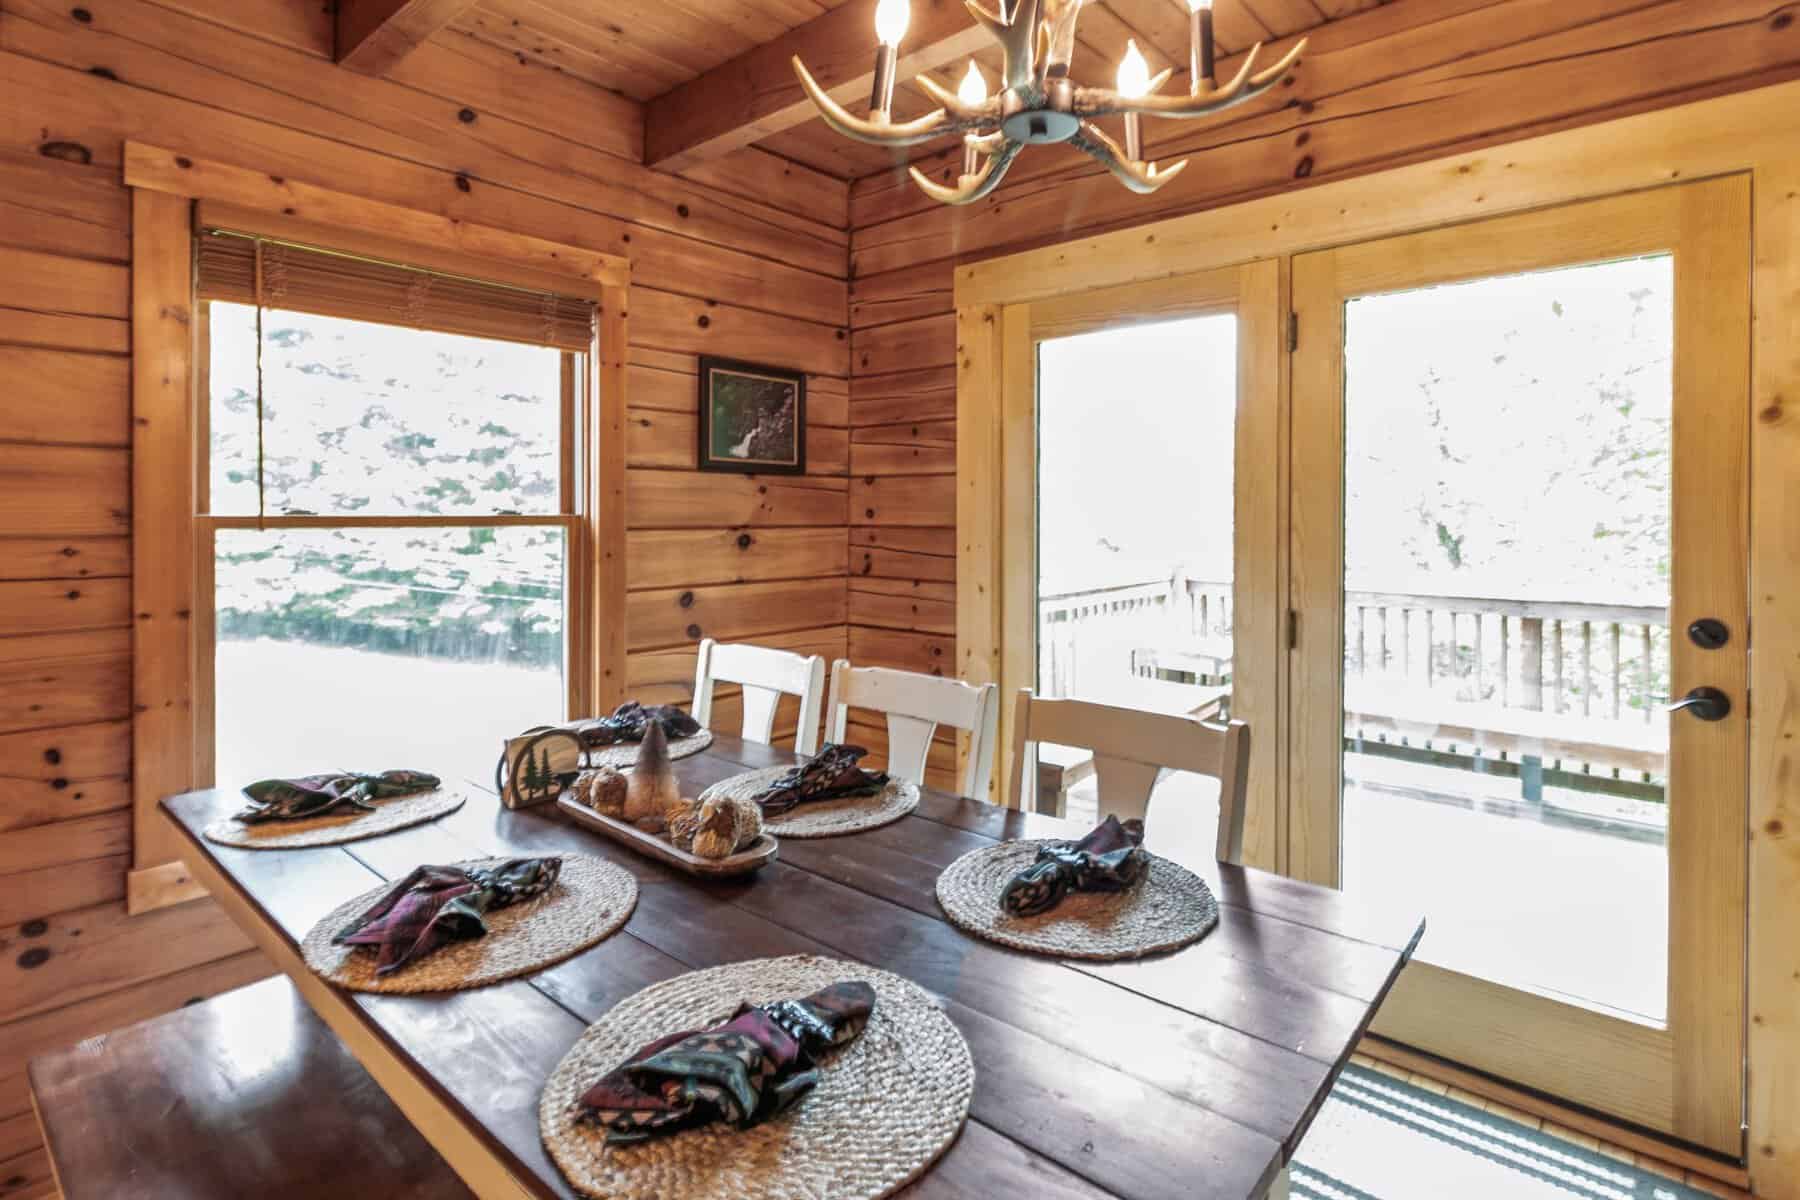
[{"x": 752, "y": 418}]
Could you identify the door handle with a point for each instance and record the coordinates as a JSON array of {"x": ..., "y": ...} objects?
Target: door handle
[{"x": 1707, "y": 703}]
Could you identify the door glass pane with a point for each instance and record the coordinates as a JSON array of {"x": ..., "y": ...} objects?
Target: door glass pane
[
  {"x": 366, "y": 649},
  {"x": 1507, "y": 554},
  {"x": 380, "y": 420},
  {"x": 1136, "y": 444}
]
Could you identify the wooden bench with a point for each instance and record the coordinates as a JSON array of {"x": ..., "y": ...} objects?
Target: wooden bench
[{"x": 248, "y": 1094}]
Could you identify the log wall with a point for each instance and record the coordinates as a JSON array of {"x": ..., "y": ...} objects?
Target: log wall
[
  {"x": 746, "y": 258},
  {"x": 1404, "y": 82}
]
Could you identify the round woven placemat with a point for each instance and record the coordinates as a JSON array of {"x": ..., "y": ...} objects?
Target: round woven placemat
[
  {"x": 822, "y": 818},
  {"x": 1169, "y": 907},
  {"x": 886, "y": 1106},
  {"x": 334, "y": 829},
  {"x": 622, "y": 756},
  {"x": 590, "y": 900}
]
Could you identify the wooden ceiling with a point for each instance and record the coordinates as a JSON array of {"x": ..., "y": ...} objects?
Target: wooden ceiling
[
  {"x": 714, "y": 75},
  {"x": 641, "y": 48}
]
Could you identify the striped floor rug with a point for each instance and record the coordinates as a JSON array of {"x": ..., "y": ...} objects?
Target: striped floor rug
[{"x": 1378, "y": 1138}]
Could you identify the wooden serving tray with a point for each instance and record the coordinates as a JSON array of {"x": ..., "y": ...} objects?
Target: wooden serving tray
[{"x": 761, "y": 851}]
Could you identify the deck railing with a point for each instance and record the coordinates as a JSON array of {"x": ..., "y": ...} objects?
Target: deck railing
[{"x": 1483, "y": 666}]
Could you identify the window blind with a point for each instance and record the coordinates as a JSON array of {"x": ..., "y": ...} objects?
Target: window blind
[{"x": 235, "y": 267}]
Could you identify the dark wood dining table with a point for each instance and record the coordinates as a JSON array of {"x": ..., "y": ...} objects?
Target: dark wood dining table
[{"x": 1193, "y": 1074}]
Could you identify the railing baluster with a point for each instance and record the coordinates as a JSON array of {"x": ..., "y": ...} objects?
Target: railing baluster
[
  {"x": 1362, "y": 665},
  {"x": 1531, "y": 662},
  {"x": 1505, "y": 672},
  {"x": 1480, "y": 663},
  {"x": 1587, "y": 668},
  {"x": 1430, "y": 650},
  {"x": 1619, "y": 668},
  {"x": 1649, "y": 684},
  {"x": 1556, "y": 658}
]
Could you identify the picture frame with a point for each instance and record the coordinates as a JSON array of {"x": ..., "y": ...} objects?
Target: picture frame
[{"x": 752, "y": 418}]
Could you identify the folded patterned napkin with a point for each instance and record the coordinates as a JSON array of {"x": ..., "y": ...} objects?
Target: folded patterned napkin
[
  {"x": 435, "y": 906},
  {"x": 1110, "y": 859},
  {"x": 316, "y": 795},
  {"x": 742, "y": 1072},
  {"x": 831, "y": 775},
  {"x": 629, "y": 722}
]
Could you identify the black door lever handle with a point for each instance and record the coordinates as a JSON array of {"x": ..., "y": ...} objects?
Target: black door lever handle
[{"x": 1707, "y": 703}]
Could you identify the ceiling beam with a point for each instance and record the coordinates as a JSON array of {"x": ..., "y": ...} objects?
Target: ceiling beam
[
  {"x": 373, "y": 35},
  {"x": 756, "y": 94}
]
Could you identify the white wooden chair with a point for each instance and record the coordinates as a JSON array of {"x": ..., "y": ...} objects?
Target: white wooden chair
[
  {"x": 766, "y": 675},
  {"x": 1131, "y": 751},
  {"x": 915, "y": 705}
]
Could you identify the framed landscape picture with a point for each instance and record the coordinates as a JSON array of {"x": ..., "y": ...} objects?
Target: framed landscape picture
[{"x": 752, "y": 418}]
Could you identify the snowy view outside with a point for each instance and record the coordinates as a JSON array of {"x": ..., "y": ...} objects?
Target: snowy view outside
[
  {"x": 1510, "y": 438},
  {"x": 369, "y": 648},
  {"x": 1136, "y": 446},
  {"x": 1135, "y": 451}
]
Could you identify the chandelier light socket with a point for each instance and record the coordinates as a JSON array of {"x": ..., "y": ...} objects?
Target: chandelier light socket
[
  {"x": 1200, "y": 45},
  {"x": 881, "y": 94}
]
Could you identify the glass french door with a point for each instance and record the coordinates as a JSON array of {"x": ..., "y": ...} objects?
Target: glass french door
[
  {"x": 1141, "y": 525},
  {"x": 1518, "y": 695}
]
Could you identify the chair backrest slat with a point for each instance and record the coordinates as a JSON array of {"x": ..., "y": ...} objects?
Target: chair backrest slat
[
  {"x": 915, "y": 705},
  {"x": 765, "y": 675},
  {"x": 1132, "y": 750}
]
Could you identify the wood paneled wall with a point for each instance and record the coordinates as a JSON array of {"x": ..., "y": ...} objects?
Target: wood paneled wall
[
  {"x": 1404, "y": 82},
  {"x": 747, "y": 258}
]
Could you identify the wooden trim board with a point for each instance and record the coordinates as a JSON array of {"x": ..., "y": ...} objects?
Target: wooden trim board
[
  {"x": 162, "y": 337},
  {"x": 158, "y": 887},
  {"x": 287, "y": 203}
]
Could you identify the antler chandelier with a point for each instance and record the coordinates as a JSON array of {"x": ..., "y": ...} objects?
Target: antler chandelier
[{"x": 1038, "y": 103}]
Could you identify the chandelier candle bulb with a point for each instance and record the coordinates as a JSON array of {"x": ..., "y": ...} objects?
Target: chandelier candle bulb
[
  {"x": 973, "y": 93},
  {"x": 1134, "y": 84},
  {"x": 1200, "y": 50}
]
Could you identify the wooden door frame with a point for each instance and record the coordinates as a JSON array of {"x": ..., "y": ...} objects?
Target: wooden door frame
[
  {"x": 1662, "y": 1077},
  {"x": 166, "y": 188},
  {"x": 997, "y": 496},
  {"x": 1757, "y": 132}
]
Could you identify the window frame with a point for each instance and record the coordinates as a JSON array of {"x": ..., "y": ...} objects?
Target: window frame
[{"x": 172, "y": 641}]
